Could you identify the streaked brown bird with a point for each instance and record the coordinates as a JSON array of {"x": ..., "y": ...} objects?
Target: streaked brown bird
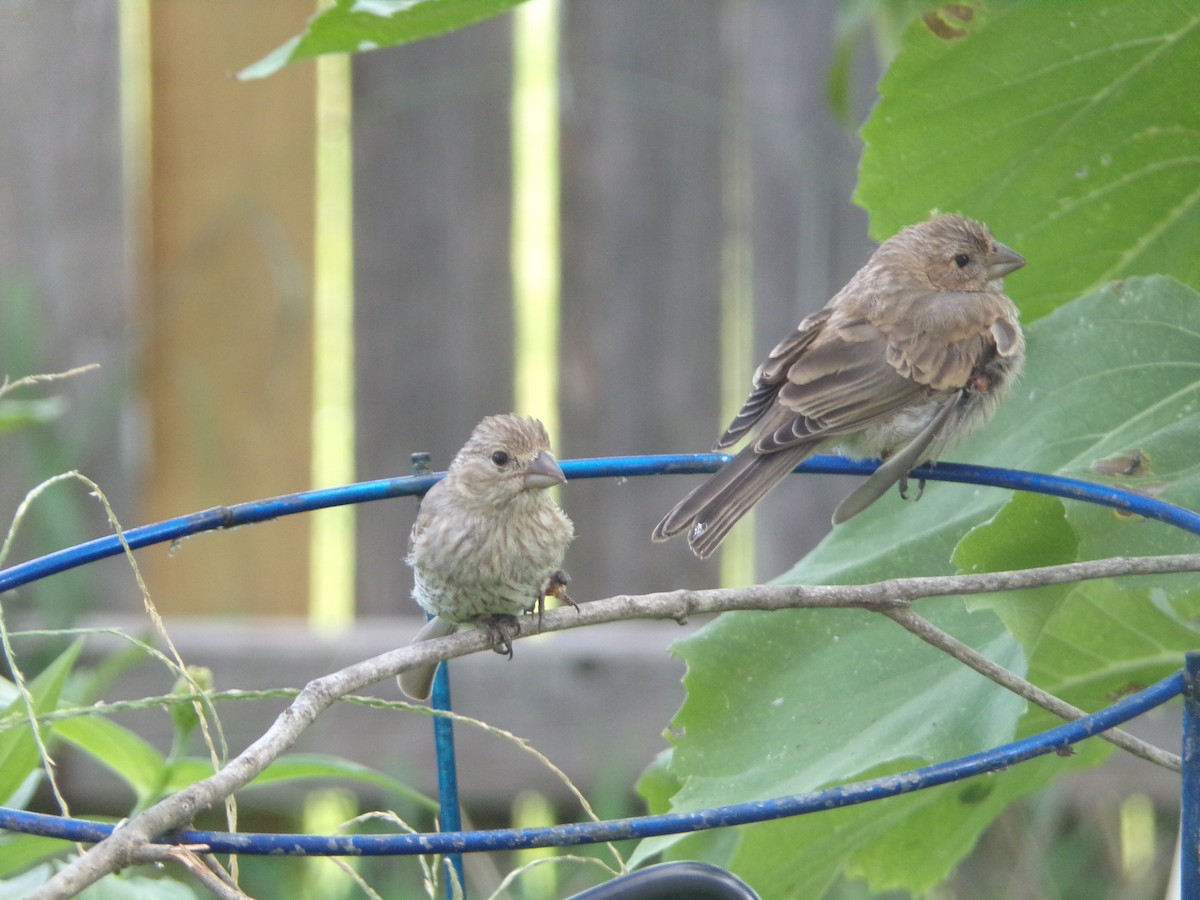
[
  {"x": 488, "y": 541},
  {"x": 915, "y": 352}
]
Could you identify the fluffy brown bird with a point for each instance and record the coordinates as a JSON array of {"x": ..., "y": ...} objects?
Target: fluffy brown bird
[
  {"x": 488, "y": 541},
  {"x": 916, "y": 351}
]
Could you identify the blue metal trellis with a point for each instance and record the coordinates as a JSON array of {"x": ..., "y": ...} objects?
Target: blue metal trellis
[
  {"x": 455, "y": 841},
  {"x": 1189, "y": 825}
]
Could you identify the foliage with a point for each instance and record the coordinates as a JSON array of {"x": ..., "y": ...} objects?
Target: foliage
[
  {"x": 19, "y": 755},
  {"x": 17, "y": 414},
  {"x": 1071, "y": 131},
  {"x": 1074, "y": 137},
  {"x": 34, "y": 451},
  {"x": 148, "y": 773},
  {"x": 351, "y": 26}
]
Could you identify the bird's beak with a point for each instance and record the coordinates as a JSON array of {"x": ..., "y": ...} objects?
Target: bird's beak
[
  {"x": 543, "y": 472},
  {"x": 1003, "y": 260}
]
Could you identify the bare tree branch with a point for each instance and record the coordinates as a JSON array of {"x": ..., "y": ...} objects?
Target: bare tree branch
[{"x": 892, "y": 597}]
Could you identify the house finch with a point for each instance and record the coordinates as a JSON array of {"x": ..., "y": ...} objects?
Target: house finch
[
  {"x": 488, "y": 541},
  {"x": 916, "y": 351}
]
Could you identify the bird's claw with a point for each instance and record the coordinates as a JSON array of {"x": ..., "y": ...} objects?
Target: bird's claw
[
  {"x": 501, "y": 628},
  {"x": 904, "y": 488}
]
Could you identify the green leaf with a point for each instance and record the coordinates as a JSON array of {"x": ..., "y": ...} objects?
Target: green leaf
[
  {"x": 851, "y": 698},
  {"x": 780, "y": 703},
  {"x": 657, "y": 785},
  {"x": 18, "y": 750},
  {"x": 300, "y": 766},
  {"x": 1107, "y": 639},
  {"x": 902, "y": 843},
  {"x": 17, "y": 414},
  {"x": 20, "y": 852},
  {"x": 1030, "y": 530},
  {"x": 27, "y": 882},
  {"x": 353, "y": 26},
  {"x": 887, "y": 20},
  {"x": 1072, "y": 130},
  {"x": 121, "y": 751},
  {"x": 994, "y": 545}
]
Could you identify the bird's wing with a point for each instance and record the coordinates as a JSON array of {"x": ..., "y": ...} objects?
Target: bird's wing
[
  {"x": 940, "y": 341},
  {"x": 838, "y": 385},
  {"x": 771, "y": 375},
  {"x": 860, "y": 371}
]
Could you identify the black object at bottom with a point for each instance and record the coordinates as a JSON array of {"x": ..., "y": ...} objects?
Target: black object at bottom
[{"x": 673, "y": 881}]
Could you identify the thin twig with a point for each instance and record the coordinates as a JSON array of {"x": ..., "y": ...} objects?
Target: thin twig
[
  {"x": 122, "y": 847},
  {"x": 6, "y": 385},
  {"x": 218, "y": 870},
  {"x": 200, "y": 866}
]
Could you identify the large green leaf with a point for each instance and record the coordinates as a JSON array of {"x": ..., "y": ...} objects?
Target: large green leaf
[
  {"x": 352, "y": 26},
  {"x": 1072, "y": 129},
  {"x": 780, "y": 703},
  {"x": 906, "y": 842}
]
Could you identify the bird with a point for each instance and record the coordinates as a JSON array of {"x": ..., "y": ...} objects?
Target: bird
[
  {"x": 916, "y": 351},
  {"x": 488, "y": 541}
]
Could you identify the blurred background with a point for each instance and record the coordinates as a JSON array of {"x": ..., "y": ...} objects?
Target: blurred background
[{"x": 602, "y": 214}]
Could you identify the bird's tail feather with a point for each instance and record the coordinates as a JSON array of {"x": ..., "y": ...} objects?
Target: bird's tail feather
[
  {"x": 418, "y": 683},
  {"x": 714, "y": 507}
]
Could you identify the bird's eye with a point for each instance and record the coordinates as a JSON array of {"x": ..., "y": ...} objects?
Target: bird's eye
[
  {"x": 961, "y": 260},
  {"x": 500, "y": 458}
]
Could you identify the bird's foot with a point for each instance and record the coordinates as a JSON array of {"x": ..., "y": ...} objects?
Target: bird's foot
[
  {"x": 556, "y": 587},
  {"x": 904, "y": 489},
  {"x": 501, "y": 628}
]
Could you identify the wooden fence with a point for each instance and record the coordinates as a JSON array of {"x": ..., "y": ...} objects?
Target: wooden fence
[{"x": 689, "y": 127}]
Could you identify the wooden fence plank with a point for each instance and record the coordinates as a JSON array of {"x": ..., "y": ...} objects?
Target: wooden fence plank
[{"x": 226, "y": 364}]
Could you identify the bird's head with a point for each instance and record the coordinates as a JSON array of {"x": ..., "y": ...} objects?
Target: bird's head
[
  {"x": 953, "y": 253},
  {"x": 506, "y": 456}
]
